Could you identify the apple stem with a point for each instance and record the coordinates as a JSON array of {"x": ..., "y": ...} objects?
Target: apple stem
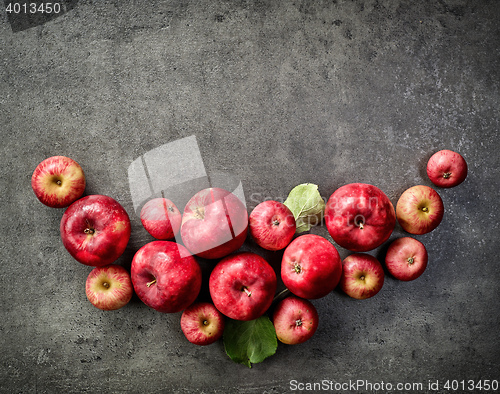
[
  {"x": 446, "y": 175},
  {"x": 248, "y": 292},
  {"x": 151, "y": 283},
  {"x": 278, "y": 296}
]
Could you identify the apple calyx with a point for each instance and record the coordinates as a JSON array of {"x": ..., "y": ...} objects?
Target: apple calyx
[
  {"x": 446, "y": 175},
  {"x": 297, "y": 268},
  {"x": 106, "y": 285},
  {"x": 89, "y": 231},
  {"x": 199, "y": 213},
  {"x": 298, "y": 323},
  {"x": 410, "y": 260},
  {"x": 362, "y": 277},
  {"x": 151, "y": 283},
  {"x": 425, "y": 209}
]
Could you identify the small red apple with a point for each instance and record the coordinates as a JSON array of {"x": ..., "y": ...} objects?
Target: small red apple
[
  {"x": 58, "y": 181},
  {"x": 165, "y": 276},
  {"x": 406, "y": 258},
  {"x": 359, "y": 217},
  {"x": 362, "y": 276},
  {"x": 295, "y": 320},
  {"x": 202, "y": 324},
  {"x": 447, "y": 168},
  {"x": 109, "y": 287},
  {"x": 311, "y": 266},
  {"x": 242, "y": 286},
  {"x": 272, "y": 225},
  {"x": 419, "y": 210},
  {"x": 161, "y": 218},
  {"x": 95, "y": 230},
  {"x": 214, "y": 223}
]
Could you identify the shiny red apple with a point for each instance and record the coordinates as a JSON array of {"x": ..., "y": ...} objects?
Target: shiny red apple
[
  {"x": 419, "y": 210},
  {"x": 311, "y": 266},
  {"x": 109, "y": 287},
  {"x": 58, "y": 181},
  {"x": 165, "y": 276},
  {"x": 214, "y": 223},
  {"x": 95, "y": 230},
  {"x": 406, "y": 258},
  {"x": 161, "y": 218},
  {"x": 447, "y": 168},
  {"x": 272, "y": 225},
  {"x": 362, "y": 276},
  {"x": 242, "y": 286},
  {"x": 359, "y": 217},
  {"x": 202, "y": 323},
  {"x": 295, "y": 320}
]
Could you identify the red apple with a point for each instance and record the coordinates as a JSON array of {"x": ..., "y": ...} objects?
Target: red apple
[
  {"x": 311, "y": 266},
  {"x": 95, "y": 230},
  {"x": 58, "y": 181},
  {"x": 165, "y": 276},
  {"x": 419, "y": 210},
  {"x": 406, "y": 258},
  {"x": 109, "y": 287},
  {"x": 214, "y": 223},
  {"x": 295, "y": 320},
  {"x": 272, "y": 225},
  {"x": 362, "y": 276},
  {"x": 242, "y": 286},
  {"x": 161, "y": 218},
  {"x": 359, "y": 217},
  {"x": 202, "y": 324},
  {"x": 447, "y": 168}
]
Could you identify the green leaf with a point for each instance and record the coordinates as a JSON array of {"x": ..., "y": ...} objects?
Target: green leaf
[
  {"x": 250, "y": 342},
  {"x": 307, "y": 206}
]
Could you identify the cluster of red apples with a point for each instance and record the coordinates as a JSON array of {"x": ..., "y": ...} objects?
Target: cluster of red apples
[{"x": 166, "y": 276}]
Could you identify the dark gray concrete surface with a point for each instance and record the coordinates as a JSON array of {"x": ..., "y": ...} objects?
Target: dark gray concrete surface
[{"x": 277, "y": 94}]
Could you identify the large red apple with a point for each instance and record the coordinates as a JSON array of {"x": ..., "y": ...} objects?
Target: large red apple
[
  {"x": 214, "y": 223},
  {"x": 447, "y": 168},
  {"x": 295, "y": 320},
  {"x": 242, "y": 286},
  {"x": 58, "y": 181},
  {"x": 419, "y": 210},
  {"x": 202, "y": 323},
  {"x": 95, "y": 230},
  {"x": 406, "y": 258},
  {"x": 362, "y": 276},
  {"x": 359, "y": 217},
  {"x": 272, "y": 225},
  {"x": 165, "y": 276},
  {"x": 311, "y": 266},
  {"x": 109, "y": 287},
  {"x": 161, "y": 218}
]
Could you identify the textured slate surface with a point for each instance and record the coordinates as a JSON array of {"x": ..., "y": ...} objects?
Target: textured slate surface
[{"x": 277, "y": 94}]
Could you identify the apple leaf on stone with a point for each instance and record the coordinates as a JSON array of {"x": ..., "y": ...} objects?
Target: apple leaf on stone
[
  {"x": 307, "y": 206},
  {"x": 250, "y": 342}
]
